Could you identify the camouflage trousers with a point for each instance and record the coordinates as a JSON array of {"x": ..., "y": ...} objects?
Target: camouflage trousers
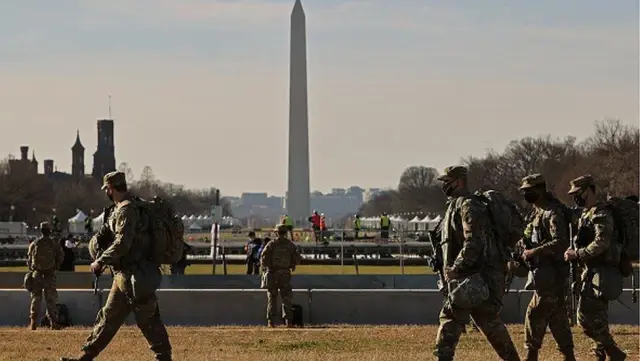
[
  {"x": 114, "y": 313},
  {"x": 547, "y": 309},
  {"x": 45, "y": 283},
  {"x": 593, "y": 317},
  {"x": 281, "y": 284},
  {"x": 486, "y": 316}
]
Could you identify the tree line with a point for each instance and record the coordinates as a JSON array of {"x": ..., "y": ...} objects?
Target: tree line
[
  {"x": 611, "y": 154},
  {"x": 32, "y": 198}
]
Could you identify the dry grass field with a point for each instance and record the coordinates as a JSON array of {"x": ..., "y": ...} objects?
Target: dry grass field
[{"x": 258, "y": 343}]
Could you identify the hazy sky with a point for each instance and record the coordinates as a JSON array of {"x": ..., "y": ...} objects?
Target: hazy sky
[{"x": 200, "y": 87}]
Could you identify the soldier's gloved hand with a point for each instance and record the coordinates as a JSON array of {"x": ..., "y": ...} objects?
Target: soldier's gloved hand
[
  {"x": 527, "y": 253},
  {"x": 570, "y": 255},
  {"x": 450, "y": 274},
  {"x": 293, "y": 268},
  {"x": 96, "y": 268}
]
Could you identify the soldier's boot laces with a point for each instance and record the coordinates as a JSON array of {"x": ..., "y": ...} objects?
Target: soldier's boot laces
[
  {"x": 532, "y": 355},
  {"x": 615, "y": 354},
  {"x": 33, "y": 324}
]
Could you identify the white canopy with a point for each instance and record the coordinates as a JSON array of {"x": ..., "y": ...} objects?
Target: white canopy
[
  {"x": 415, "y": 219},
  {"x": 195, "y": 227},
  {"x": 76, "y": 223}
]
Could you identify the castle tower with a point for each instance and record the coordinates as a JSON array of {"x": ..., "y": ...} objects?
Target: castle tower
[
  {"x": 48, "y": 167},
  {"x": 34, "y": 161},
  {"x": 77, "y": 158},
  {"x": 298, "y": 197},
  {"x": 104, "y": 159}
]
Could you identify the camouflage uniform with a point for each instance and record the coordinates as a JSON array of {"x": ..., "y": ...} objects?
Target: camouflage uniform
[
  {"x": 127, "y": 256},
  {"x": 278, "y": 259},
  {"x": 548, "y": 237},
  {"x": 597, "y": 222},
  {"x": 467, "y": 249},
  {"x": 49, "y": 258}
]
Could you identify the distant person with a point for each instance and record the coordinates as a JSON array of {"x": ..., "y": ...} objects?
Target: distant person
[
  {"x": 278, "y": 259},
  {"x": 357, "y": 226},
  {"x": 68, "y": 245},
  {"x": 44, "y": 256},
  {"x": 253, "y": 258},
  {"x": 265, "y": 241},
  {"x": 385, "y": 225},
  {"x": 315, "y": 224},
  {"x": 288, "y": 222}
]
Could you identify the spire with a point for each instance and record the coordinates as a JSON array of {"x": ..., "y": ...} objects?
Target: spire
[
  {"x": 78, "y": 144},
  {"x": 297, "y": 7},
  {"x": 33, "y": 156}
]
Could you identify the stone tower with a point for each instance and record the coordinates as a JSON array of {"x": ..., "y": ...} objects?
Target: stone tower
[
  {"x": 298, "y": 193},
  {"x": 77, "y": 158},
  {"x": 104, "y": 159}
]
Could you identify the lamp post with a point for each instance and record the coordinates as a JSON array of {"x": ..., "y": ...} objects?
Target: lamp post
[
  {"x": 13, "y": 208},
  {"x": 35, "y": 219}
]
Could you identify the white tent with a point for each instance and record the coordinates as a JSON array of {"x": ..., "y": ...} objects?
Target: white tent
[
  {"x": 97, "y": 222},
  {"x": 76, "y": 223},
  {"x": 195, "y": 228}
]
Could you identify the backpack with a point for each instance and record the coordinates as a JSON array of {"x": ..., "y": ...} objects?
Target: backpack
[
  {"x": 64, "y": 319},
  {"x": 506, "y": 219},
  {"x": 44, "y": 258},
  {"x": 165, "y": 229},
  {"x": 625, "y": 217}
]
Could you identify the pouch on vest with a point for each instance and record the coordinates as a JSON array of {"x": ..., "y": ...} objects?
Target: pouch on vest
[
  {"x": 541, "y": 278},
  {"x": 607, "y": 283},
  {"x": 145, "y": 280},
  {"x": 267, "y": 281},
  {"x": 28, "y": 281},
  {"x": 468, "y": 292}
]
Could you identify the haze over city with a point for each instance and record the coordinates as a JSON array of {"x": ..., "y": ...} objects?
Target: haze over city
[{"x": 200, "y": 88}]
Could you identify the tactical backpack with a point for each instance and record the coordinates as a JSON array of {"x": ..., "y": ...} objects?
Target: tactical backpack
[
  {"x": 44, "y": 258},
  {"x": 506, "y": 219},
  {"x": 625, "y": 216},
  {"x": 165, "y": 229}
]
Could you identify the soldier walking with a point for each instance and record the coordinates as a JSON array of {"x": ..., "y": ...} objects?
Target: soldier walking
[
  {"x": 597, "y": 250},
  {"x": 545, "y": 240},
  {"x": 44, "y": 257},
  {"x": 127, "y": 255},
  {"x": 468, "y": 250},
  {"x": 278, "y": 259}
]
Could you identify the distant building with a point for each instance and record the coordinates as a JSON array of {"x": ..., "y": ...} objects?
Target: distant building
[{"x": 104, "y": 159}]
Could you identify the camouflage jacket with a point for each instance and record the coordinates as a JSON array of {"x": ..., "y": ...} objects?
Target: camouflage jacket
[
  {"x": 548, "y": 232},
  {"x": 596, "y": 243},
  {"x": 280, "y": 254},
  {"x": 467, "y": 237},
  {"x": 49, "y": 254},
  {"x": 130, "y": 243}
]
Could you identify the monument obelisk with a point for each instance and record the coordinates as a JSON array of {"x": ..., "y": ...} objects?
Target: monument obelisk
[{"x": 298, "y": 193}]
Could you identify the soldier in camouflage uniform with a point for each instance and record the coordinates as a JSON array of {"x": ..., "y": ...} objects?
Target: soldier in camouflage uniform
[
  {"x": 547, "y": 237},
  {"x": 278, "y": 259},
  {"x": 468, "y": 249},
  {"x": 128, "y": 257},
  {"x": 600, "y": 248},
  {"x": 44, "y": 257}
]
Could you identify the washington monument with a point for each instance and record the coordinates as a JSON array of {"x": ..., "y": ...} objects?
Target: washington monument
[{"x": 298, "y": 199}]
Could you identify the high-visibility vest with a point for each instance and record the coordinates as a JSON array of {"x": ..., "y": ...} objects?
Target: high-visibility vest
[
  {"x": 384, "y": 221},
  {"x": 288, "y": 221},
  {"x": 356, "y": 223},
  {"x": 322, "y": 224},
  {"x": 315, "y": 219}
]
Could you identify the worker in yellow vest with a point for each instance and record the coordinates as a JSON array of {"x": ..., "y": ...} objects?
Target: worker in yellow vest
[
  {"x": 288, "y": 222},
  {"x": 357, "y": 226},
  {"x": 385, "y": 224}
]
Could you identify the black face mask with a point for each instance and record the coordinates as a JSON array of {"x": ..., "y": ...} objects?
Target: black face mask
[
  {"x": 448, "y": 188},
  {"x": 531, "y": 197},
  {"x": 579, "y": 201},
  {"x": 110, "y": 196}
]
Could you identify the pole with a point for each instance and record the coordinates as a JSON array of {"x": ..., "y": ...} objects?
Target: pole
[
  {"x": 402, "y": 256},
  {"x": 215, "y": 234},
  {"x": 342, "y": 252}
]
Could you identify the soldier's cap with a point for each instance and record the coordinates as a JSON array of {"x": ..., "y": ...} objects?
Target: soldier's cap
[
  {"x": 113, "y": 179},
  {"x": 581, "y": 183},
  {"x": 453, "y": 172},
  {"x": 533, "y": 180},
  {"x": 281, "y": 228},
  {"x": 44, "y": 225}
]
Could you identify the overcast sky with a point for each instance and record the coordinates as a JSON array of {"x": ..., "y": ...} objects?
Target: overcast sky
[{"x": 200, "y": 87}]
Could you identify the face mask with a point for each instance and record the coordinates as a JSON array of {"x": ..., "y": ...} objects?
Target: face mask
[
  {"x": 531, "y": 197},
  {"x": 579, "y": 201},
  {"x": 448, "y": 188},
  {"x": 110, "y": 196}
]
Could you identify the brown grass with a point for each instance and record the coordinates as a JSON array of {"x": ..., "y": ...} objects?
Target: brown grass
[{"x": 258, "y": 343}]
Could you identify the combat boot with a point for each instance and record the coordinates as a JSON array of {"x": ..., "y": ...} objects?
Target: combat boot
[
  {"x": 614, "y": 353},
  {"x": 532, "y": 355},
  {"x": 288, "y": 324},
  {"x": 163, "y": 357},
  {"x": 270, "y": 324},
  {"x": 33, "y": 323},
  {"x": 55, "y": 326}
]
